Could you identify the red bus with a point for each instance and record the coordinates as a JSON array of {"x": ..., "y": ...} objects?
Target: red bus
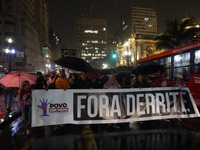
[{"x": 182, "y": 62}]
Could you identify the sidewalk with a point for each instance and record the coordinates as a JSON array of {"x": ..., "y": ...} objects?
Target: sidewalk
[{"x": 8, "y": 116}]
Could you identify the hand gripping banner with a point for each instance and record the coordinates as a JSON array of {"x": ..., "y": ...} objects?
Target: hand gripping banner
[{"x": 96, "y": 106}]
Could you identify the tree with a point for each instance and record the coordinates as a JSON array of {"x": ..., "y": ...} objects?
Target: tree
[{"x": 177, "y": 33}]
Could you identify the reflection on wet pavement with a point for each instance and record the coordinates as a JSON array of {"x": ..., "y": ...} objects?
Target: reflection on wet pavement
[{"x": 154, "y": 139}]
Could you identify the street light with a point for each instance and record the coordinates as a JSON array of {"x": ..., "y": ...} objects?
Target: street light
[
  {"x": 105, "y": 66},
  {"x": 127, "y": 53},
  {"x": 10, "y": 52}
]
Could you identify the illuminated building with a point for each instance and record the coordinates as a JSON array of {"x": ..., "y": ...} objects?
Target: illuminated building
[
  {"x": 91, "y": 40},
  {"x": 138, "y": 29},
  {"x": 27, "y": 23}
]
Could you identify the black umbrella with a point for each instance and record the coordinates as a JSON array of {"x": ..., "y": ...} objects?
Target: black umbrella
[
  {"x": 147, "y": 68},
  {"x": 74, "y": 63},
  {"x": 123, "y": 69}
]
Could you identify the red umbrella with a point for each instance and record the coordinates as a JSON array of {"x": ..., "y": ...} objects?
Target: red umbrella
[{"x": 14, "y": 79}]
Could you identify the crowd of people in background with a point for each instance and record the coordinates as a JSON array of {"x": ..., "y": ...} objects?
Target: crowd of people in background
[{"x": 81, "y": 81}]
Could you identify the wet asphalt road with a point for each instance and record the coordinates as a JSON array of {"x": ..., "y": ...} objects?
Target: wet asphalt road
[
  {"x": 159, "y": 135},
  {"x": 149, "y": 135}
]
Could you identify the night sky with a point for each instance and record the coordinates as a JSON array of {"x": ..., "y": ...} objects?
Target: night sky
[{"x": 62, "y": 13}]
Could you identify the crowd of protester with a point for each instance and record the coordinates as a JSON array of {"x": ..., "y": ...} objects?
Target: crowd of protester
[{"x": 82, "y": 81}]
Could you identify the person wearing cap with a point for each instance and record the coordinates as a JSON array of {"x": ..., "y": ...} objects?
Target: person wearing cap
[{"x": 40, "y": 82}]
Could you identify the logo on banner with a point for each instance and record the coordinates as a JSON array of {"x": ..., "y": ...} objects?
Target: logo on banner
[
  {"x": 43, "y": 106},
  {"x": 54, "y": 107},
  {"x": 58, "y": 107}
]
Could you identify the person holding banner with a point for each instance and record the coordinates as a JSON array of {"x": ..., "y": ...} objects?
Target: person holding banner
[
  {"x": 24, "y": 98},
  {"x": 161, "y": 81},
  {"x": 61, "y": 82},
  {"x": 141, "y": 82},
  {"x": 84, "y": 82},
  {"x": 112, "y": 83}
]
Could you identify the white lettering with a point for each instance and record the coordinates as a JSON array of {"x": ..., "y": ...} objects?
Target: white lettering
[
  {"x": 115, "y": 102},
  {"x": 160, "y": 103},
  {"x": 183, "y": 101},
  {"x": 174, "y": 94},
  {"x": 130, "y": 98},
  {"x": 139, "y": 111},
  {"x": 103, "y": 105},
  {"x": 93, "y": 99},
  {"x": 150, "y": 102},
  {"x": 168, "y": 102},
  {"x": 79, "y": 106}
]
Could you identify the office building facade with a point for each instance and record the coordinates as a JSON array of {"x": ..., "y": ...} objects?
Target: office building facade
[
  {"x": 91, "y": 40},
  {"x": 27, "y": 24},
  {"x": 139, "y": 21}
]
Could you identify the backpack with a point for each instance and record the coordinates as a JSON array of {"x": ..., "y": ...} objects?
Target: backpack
[{"x": 53, "y": 85}]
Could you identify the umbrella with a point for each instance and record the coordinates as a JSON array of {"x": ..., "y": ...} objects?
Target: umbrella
[
  {"x": 124, "y": 69},
  {"x": 74, "y": 63},
  {"x": 14, "y": 79},
  {"x": 147, "y": 67}
]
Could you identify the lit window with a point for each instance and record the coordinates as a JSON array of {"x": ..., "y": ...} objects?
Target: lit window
[
  {"x": 91, "y": 31},
  {"x": 104, "y": 29},
  {"x": 197, "y": 57},
  {"x": 182, "y": 59},
  {"x": 95, "y": 42},
  {"x": 146, "y": 19},
  {"x": 150, "y": 25}
]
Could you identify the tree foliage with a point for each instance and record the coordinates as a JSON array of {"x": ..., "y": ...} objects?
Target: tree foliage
[{"x": 177, "y": 33}]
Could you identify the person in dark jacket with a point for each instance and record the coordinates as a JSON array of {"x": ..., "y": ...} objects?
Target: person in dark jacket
[
  {"x": 83, "y": 82},
  {"x": 141, "y": 82},
  {"x": 40, "y": 82}
]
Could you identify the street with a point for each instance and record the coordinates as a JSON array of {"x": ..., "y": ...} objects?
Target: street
[{"x": 162, "y": 135}]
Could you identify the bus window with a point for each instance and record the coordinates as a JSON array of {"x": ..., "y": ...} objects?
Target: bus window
[
  {"x": 168, "y": 77},
  {"x": 166, "y": 62},
  {"x": 197, "y": 57},
  {"x": 181, "y": 66},
  {"x": 197, "y": 62},
  {"x": 182, "y": 73},
  {"x": 182, "y": 60}
]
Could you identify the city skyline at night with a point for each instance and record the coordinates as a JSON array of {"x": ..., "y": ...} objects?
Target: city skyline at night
[{"x": 63, "y": 14}]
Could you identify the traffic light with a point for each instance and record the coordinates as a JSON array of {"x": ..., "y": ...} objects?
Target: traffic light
[{"x": 114, "y": 55}]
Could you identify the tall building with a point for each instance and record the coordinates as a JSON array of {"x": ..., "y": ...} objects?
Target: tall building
[
  {"x": 91, "y": 39},
  {"x": 140, "y": 21},
  {"x": 138, "y": 29},
  {"x": 27, "y": 24}
]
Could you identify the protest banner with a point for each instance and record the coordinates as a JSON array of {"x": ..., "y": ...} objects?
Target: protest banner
[{"x": 96, "y": 106}]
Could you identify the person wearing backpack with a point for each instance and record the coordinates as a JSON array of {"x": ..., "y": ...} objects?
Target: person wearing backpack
[{"x": 60, "y": 82}]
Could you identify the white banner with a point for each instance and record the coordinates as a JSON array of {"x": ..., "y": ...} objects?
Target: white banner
[{"x": 96, "y": 106}]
